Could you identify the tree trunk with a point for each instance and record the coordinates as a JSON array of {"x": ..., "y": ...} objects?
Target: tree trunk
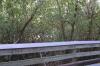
[
  {"x": 27, "y": 23},
  {"x": 74, "y": 22},
  {"x": 91, "y": 17},
  {"x": 62, "y": 22}
]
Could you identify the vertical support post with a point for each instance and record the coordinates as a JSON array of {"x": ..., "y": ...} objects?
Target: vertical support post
[
  {"x": 41, "y": 56},
  {"x": 74, "y": 52}
]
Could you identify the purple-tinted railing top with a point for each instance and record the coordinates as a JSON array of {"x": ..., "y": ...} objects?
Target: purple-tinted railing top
[{"x": 46, "y": 44}]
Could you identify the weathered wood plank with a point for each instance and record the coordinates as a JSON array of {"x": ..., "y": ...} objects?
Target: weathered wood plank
[
  {"x": 85, "y": 62},
  {"x": 47, "y": 44},
  {"x": 48, "y": 59}
]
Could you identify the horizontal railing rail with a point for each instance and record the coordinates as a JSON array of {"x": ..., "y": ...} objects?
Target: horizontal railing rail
[
  {"x": 82, "y": 63},
  {"x": 27, "y": 48},
  {"x": 47, "y": 44}
]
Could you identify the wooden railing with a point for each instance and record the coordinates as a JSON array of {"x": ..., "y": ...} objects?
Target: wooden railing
[{"x": 48, "y": 52}]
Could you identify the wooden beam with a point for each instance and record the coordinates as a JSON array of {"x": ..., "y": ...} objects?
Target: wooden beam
[{"x": 81, "y": 63}]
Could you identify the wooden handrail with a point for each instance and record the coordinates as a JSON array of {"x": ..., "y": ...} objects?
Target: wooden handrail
[{"x": 47, "y": 44}]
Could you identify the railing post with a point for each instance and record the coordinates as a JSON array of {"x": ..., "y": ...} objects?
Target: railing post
[
  {"x": 41, "y": 56},
  {"x": 74, "y": 52}
]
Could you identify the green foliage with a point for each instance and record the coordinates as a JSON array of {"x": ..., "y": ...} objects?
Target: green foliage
[{"x": 53, "y": 21}]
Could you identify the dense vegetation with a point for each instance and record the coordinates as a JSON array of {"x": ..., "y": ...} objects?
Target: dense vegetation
[{"x": 49, "y": 20}]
